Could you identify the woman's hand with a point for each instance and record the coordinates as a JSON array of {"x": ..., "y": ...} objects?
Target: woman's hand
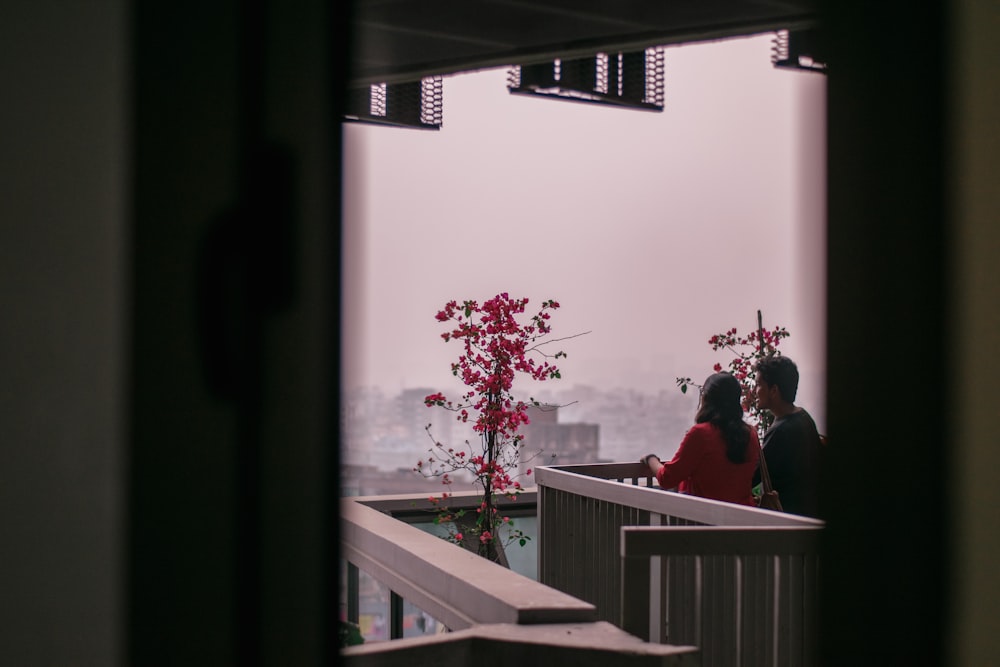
[{"x": 653, "y": 462}]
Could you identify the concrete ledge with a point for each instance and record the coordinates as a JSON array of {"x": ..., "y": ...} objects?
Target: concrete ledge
[{"x": 578, "y": 644}]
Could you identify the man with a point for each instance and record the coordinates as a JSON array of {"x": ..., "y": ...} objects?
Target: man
[{"x": 792, "y": 444}]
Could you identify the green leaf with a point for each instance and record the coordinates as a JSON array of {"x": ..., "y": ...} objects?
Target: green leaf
[{"x": 684, "y": 389}]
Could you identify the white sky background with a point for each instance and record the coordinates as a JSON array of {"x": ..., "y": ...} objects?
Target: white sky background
[{"x": 653, "y": 230}]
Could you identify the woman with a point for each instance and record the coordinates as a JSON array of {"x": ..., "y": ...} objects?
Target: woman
[{"x": 718, "y": 455}]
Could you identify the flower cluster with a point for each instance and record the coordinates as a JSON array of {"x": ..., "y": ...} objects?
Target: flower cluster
[
  {"x": 497, "y": 346},
  {"x": 747, "y": 350}
]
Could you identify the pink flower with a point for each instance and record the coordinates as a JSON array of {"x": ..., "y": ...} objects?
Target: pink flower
[
  {"x": 458, "y": 537},
  {"x": 486, "y": 536},
  {"x": 434, "y": 399}
]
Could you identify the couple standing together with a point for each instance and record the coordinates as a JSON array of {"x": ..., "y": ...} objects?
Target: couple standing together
[{"x": 718, "y": 457}]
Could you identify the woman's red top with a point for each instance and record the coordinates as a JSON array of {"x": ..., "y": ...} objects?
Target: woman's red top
[{"x": 700, "y": 467}]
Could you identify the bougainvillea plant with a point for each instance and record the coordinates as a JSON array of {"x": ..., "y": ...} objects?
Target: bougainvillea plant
[
  {"x": 747, "y": 350},
  {"x": 497, "y": 347}
]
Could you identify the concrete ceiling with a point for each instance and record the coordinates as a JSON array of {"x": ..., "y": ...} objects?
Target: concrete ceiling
[{"x": 404, "y": 40}]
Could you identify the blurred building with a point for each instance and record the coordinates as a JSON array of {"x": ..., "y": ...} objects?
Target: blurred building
[{"x": 549, "y": 442}]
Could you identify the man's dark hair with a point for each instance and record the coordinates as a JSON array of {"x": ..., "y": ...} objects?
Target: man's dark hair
[{"x": 780, "y": 371}]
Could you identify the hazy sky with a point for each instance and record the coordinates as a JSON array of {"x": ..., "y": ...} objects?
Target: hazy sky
[{"x": 653, "y": 230}]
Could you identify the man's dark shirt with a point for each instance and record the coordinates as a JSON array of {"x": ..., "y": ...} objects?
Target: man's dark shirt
[{"x": 792, "y": 451}]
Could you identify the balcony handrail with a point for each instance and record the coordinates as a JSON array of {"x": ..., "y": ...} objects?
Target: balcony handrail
[
  {"x": 453, "y": 585},
  {"x": 605, "y": 482},
  {"x": 418, "y": 508},
  {"x": 597, "y": 643}
]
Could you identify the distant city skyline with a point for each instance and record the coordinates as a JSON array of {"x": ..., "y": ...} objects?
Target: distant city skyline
[
  {"x": 653, "y": 230},
  {"x": 384, "y": 432}
]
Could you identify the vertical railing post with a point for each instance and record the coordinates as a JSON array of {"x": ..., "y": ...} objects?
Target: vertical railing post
[
  {"x": 395, "y": 616},
  {"x": 657, "y": 587},
  {"x": 540, "y": 530},
  {"x": 635, "y": 595},
  {"x": 353, "y": 594}
]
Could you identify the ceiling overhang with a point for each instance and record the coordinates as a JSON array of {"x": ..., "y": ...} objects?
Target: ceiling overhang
[{"x": 405, "y": 40}]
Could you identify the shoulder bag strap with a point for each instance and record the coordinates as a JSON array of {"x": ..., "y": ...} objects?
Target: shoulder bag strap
[{"x": 765, "y": 476}]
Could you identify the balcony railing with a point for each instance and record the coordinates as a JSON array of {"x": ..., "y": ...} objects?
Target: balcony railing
[
  {"x": 738, "y": 582},
  {"x": 491, "y": 610},
  {"x": 673, "y": 571}
]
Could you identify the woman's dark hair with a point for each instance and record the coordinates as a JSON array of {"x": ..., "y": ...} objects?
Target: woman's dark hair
[{"x": 721, "y": 407}]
